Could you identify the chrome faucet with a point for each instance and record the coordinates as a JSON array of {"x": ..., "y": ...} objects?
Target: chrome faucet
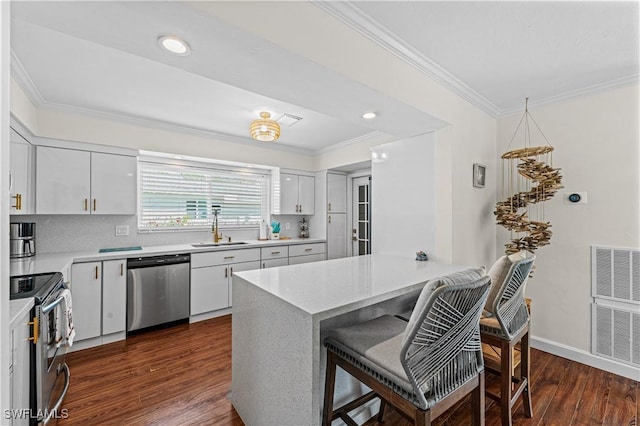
[{"x": 217, "y": 236}]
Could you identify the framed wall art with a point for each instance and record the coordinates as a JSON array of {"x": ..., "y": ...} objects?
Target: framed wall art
[{"x": 479, "y": 174}]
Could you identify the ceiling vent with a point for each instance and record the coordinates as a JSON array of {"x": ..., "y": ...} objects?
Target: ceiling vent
[{"x": 288, "y": 119}]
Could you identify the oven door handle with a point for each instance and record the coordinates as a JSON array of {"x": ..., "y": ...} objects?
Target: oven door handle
[
  {"x": 50, "y": 306},
  {"x": 56, "y": 407}
]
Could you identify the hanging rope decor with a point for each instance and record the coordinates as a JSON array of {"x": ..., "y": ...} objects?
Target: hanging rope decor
[{"x": 528, "y": 180}]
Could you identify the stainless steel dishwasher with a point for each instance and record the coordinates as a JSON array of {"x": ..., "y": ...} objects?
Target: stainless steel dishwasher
[{"x": 157, "y": 290}]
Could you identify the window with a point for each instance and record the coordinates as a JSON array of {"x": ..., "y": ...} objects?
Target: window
[{"x": 180, "y": 196}]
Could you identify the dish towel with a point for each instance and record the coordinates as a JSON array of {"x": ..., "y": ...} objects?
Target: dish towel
[{"x": 67, "y": 317}]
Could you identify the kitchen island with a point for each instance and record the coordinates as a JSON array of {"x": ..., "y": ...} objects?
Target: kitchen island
[{"x": 280, "y": 316}]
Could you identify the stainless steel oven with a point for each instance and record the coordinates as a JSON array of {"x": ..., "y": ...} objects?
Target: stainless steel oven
[{"x": 49, "y": 375}]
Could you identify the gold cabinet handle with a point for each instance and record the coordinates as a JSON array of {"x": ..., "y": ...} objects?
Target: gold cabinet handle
[
  {"x": 264, "y": 265},
  {"x": 329, "y": 219},
  {"x": 226, "y": 272},
  {"x": 18, "y": 198},
  {"x": 229, "y": 257},
  {"x": 275, "y": 252},
  {"x": 307, "y": 250},
  {"x": 36, "y": 330},
  {"x": 329, "y": 206},
  {"x": 96, "y": 272},
  {"x": 121, "y": 269},
  {"x": 86, "y": 204},
  {"x": 231, "y": 273},
  {"x": 94, "y": 204},
  {"x": 300, "y": 209}
]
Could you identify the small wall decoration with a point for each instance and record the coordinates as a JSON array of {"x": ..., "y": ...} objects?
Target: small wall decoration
[
  {"x": 528, "y": 177},
  {"x": 479, "y": 173}
]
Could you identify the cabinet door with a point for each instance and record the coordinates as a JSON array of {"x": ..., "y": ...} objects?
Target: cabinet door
[
  {"x": 21, "y": 176},
  {"x": 306, "y": 194},
  {"x": 86, "y": 290},
  {"x": 114, "y": 296},
  {"x": 239, "y": 267},
  {"x": 336, "y": 235},
  {"x": 307, "y": 259},
  {"x": 336, "y": 193},
  {"x": 21, "y": 347},
  {"x": 209, "y": 289},
  {"x": 113, "y": 184},
  {"x": 272, "y": 263},
  {"x": 62, "y": 181},
  {"x": 288, "y": 194}
]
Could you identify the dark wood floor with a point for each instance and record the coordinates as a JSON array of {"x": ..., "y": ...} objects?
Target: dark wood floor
[{"x": 182, "y": 375}]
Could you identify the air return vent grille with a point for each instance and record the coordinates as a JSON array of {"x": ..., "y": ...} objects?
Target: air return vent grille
[{"x": 615, "y": 332}]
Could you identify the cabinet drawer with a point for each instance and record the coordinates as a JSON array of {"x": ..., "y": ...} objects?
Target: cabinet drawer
[
  {"x": 306, "y": 259},
  {"x": 199, "y": 260},
  {"x": 306, "y": 249},
  {"x": 274, "y": 252}
]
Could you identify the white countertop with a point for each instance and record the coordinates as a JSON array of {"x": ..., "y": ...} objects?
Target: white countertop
[
  {"x": 346, "y": 284},
  {"x": 17, "y": 308},
  {"x": 58, "y": 262}
]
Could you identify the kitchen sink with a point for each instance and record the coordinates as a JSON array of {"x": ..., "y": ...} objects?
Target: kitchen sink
[{"x": 222, "y": 243}]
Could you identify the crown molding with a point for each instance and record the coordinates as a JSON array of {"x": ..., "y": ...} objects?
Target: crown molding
[
  {"x": 348, "y": 142},
  {"x": 589, "y": 90},
  {"x": 22, "y": 77},
  {"x": 359, "y": 21}
]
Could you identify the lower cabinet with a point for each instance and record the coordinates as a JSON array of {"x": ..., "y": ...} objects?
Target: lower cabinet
[
  {"x": 19, "y": 369},
  {"x": 305, "y": 253},
  {"x": 99, "y": 291},
  {"x": 211, "y": 274},
  {"x": 272, "y": 263},
  {"x": 271, "y": 257}
]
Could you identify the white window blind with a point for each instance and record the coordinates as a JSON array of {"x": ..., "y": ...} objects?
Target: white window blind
[{"x": 180, "y": 197}]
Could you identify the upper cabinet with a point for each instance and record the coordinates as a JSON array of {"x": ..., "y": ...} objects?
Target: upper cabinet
[
  {"x": 20, "y": 175},
  {"x": 70, "y": 181},
  {"x": 336, "y": 193},
  {"x": 297, "y": 194}
]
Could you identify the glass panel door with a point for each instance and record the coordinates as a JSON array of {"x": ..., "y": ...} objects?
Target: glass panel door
[{"x": 361, "y": 229}]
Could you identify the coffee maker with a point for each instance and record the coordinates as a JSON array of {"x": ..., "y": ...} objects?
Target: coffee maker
[{"x": 22, "y": 240}]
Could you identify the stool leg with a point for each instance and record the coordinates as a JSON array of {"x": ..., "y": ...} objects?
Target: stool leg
[
  {"x": 381, "y": 411},
  {"x": 329, "y": 383},
  {"x": 525, "y": 369},
  {"x": 506, "y": 358},
  {"x": 477, "y": 402}
]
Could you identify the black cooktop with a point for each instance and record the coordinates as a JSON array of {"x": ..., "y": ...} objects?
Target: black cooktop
[{"x": 37, "y": 286}]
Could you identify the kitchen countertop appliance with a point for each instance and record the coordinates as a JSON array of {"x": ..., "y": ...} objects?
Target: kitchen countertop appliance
[
  {"x": 22, "y": 239},
  {"x": 157, "y": 290},
  {"x": 49, "y": 375}
]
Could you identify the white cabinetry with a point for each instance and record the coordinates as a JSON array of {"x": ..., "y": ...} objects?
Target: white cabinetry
[
  {"x": 305, "y": 253},
  {"x": 297, "y": 194},
  {"x": 274, "y": 256},
  {"x": 336, "y": 216},
  {"x": 114, "y": 296},
  {"x": 70, "y": 181},
  {"x": 19, "y": 368},
  {"x": 20, "y": 175},
  {"x": 211, "y": 274},
  {"x": 99, "y": 291},
  {"x": 86, "y": 290}
]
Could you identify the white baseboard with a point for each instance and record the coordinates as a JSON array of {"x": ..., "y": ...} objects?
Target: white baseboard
[
  {"x": 585, "y": 357},
  {"x": 209, "y": 315}
]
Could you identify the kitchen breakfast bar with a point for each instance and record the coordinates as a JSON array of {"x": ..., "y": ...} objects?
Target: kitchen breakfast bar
[{"x": 280, "y": 316}]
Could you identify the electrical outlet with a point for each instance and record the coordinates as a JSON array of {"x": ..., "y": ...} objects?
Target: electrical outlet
[
  {"x": 287, "y": 225},
  {"x": 122, "y": 230}
]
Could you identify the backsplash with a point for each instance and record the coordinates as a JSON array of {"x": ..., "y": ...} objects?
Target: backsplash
[{"x": 65, "y": 233}]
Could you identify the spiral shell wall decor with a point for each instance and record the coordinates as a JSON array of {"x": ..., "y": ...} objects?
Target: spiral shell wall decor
[{"x": 528, "y": 180}]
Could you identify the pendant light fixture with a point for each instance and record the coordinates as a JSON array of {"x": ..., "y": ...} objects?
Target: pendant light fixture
[{"x": 264, "y": 128}]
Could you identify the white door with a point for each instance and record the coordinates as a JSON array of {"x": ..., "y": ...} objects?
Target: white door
[
  {"x": 209, "y": 289},
  {"x": 336, "y": 235},
  {"x": 63, "y": 181},
  {"x": 86, "y": 290},
  {"x": 114, "y": 296},
  {"x": 288, "y": 193},
  {"x": 361, "y": 216},
  {"x": 113, "y": 184},
  {"x": 20, "y": 173}
]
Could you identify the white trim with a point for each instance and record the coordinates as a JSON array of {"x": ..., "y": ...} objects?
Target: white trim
[
  {"x": 22, "y": 77},
  {"x": 585, "y": 357},
  {"x": 359, "y": 21},
  {"x": 209, "y": 315},
  {"x": 348, "y": 142}
]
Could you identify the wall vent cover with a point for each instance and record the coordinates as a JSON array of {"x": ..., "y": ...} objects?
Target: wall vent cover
[{"x": 615, "y": 274}]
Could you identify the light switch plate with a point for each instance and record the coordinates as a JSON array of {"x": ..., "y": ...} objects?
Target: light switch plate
[
  {"x": 122, "y": 230},
  {"x": 287, "y": 225}
]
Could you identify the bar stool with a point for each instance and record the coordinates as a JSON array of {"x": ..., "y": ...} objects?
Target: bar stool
[
  {"x": 504, "y": 324},
  {"x": 421, "y": 367}
]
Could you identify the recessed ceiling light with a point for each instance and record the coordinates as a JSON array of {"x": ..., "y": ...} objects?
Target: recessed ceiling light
[
  {"x": 174, "y": 45},
  {"x": 369, "y": 115}
]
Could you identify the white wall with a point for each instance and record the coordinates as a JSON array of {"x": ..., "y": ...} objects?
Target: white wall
[
  {"x": 4, "y": 202},
  {"x": 403, "y": 197},
  {"x": 597, "y": 147},
  {"x": 22, "y": 108}
]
